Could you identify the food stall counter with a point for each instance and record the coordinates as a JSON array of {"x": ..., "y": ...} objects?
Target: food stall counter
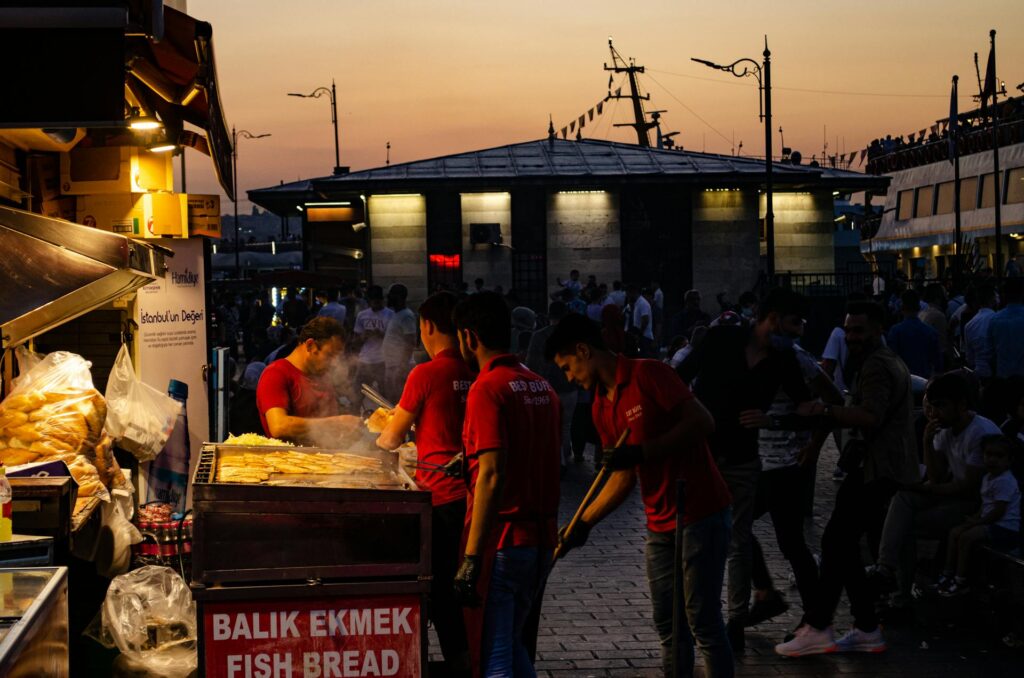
[{"x": 34, "y": 622}]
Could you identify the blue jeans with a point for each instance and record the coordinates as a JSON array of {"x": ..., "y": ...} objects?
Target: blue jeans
[
  {"x": 518, "y": 574},
  {"x": 705, "y": 546}
]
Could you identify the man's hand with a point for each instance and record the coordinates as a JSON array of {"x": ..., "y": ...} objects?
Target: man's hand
[
  {"x": 575, "y": 539},
  {"x": 931, "y": 428},
  {"x": 455, "y": 467},
  {"x": 465, "y": 582},
  {"x": 622, "y": 457},
  {"x": 754, "y": 419}
]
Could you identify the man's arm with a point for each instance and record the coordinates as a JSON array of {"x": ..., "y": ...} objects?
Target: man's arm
[
  {"x": 286, "y": 427},
  {"x": 875, "y": 396},
  {"x": 398, "y": 427},
  {"x": 935, "y": 462},
  {"x": 967, "y": 487},
  {"x": 619, "y": 486},
  {"x": 693, "y": 424},
  {"x": 645, "y": 320},
  {"x": 824, "y": 388},
  {"x": 486, "y": 498}
]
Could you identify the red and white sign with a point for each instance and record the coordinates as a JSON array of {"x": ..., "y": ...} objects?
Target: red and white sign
[{"x": 313, "y": 638}]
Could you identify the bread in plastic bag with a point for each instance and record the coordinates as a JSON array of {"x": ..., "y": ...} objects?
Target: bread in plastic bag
[
  {"x": 55, "y": 413},
  {"x": 149, "y": 615},
  {"x": 139, "y": 417}
]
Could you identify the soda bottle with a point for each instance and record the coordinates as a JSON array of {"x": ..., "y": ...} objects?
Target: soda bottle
[
  {"x": 6, "y": 525},
  {"x": 168, "y": 473}
]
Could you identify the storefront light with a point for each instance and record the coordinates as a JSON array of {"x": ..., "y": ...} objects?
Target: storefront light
[
  {"x": 338, "y": 203},
  {"x": 581, "y": 192},
  {"x": 162, "y": 147}
]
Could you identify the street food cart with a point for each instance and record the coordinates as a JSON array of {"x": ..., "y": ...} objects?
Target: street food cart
[{"x": 317, "y": 559}]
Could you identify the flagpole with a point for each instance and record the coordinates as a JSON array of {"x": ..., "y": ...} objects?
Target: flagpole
[
  {"x": 995, "y": 161},
  {"x": 954, "y": 131}
]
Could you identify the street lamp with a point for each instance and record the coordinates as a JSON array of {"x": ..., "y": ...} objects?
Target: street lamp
[
  {"x": 763, "y": 74},
  {"x": 235, "y": 136},
  {"x": 333, "y": 94}
]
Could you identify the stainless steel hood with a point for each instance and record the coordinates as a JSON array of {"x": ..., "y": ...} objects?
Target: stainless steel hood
[{"x": 52, "y": 271}]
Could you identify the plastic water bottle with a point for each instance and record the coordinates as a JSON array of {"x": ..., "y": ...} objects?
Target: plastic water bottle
[
  {"x": 6, "y": 524},
  {"x": 168, "y": 473}
]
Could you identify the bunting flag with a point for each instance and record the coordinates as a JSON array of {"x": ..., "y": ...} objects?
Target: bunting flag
[
  {"x": 989, "y": 89},
  {"x": 852, "y": 156},
  {"x": 564, "y": 131},
  {"x": 583, "y": 121},
  {"x": 600, "y": 107},
  {"x": 611, "y": 81},
  {"x": 618, "y": 92},
  {"x": 863, "y": 154},
  {"x": 935, "y": 129},
  {"x": 920, "y": 134},
  {"x": 590, "y": 115},
  {"x": 954, "y": 121},
  {"x": 572, "y": 126}
]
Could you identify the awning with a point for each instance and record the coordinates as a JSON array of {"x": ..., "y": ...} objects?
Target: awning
[
  {"x": 177, "y": 77},
  {"x": 63, "y": 270}
]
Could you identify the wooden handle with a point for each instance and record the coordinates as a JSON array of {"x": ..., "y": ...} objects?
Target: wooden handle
[{"x": 594, "y": 486}]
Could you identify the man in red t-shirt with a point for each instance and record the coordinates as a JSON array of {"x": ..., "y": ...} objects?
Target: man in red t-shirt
[
  {"x": 667, "y": 442},
  {"x": 512, "y": 442},
  {"x": 434, "y": 401},
  {"x": 294, "y": 396}
]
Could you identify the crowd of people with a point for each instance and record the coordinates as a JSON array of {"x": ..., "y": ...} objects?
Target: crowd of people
[{"x": 923, "y": 391}]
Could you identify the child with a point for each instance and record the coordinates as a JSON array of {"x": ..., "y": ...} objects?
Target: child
[{"x": 997, "y": 523}]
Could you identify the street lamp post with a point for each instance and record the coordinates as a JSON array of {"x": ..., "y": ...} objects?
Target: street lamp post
[
  {"x": 333, "y": 94},
  {"x": 235, "y": 136},
  {"x": 762, "y": 72}
]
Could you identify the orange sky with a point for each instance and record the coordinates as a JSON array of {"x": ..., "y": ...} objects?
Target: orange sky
[{"x": 435, "y": 77}]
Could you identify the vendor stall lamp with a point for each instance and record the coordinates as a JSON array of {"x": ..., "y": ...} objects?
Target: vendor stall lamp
[
  {"x": 162, "y": 147},
  {"x": 142, "y": 123}
]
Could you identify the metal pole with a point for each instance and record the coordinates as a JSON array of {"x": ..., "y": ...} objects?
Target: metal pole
[
  {"x": 234, "y": 176},
  {"x": 769, "y": 214},
  {"x": 957, "y": 260},
  {"x": 995, "y": 162},
  {"x": 334, "y": 119}
]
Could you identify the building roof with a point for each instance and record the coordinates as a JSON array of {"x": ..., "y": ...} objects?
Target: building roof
[{"x": 574, "y": 162}]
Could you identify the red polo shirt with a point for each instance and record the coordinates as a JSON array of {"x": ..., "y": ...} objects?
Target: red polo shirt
[
  {"x": 436, "y": 393},
  {"x": 647, "y": 398},
  {"x": 511, "y": 408},
  {"x": 284, "y": 385}
]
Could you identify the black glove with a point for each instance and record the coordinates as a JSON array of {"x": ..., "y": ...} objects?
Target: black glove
[
  {"x": 465, "y": 580},
  {"x": 576, "y": 539},
  {"x": 453, "y": 469},
  {"x": 623, "y": 457}
]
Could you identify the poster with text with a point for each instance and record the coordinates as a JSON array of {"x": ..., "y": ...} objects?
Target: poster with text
[
  {"x": 313, "y": 638},
  {"x": 171, "y": 313}
]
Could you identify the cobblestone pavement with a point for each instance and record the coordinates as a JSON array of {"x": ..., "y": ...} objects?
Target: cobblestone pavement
[{"x": 596, "y": 616}]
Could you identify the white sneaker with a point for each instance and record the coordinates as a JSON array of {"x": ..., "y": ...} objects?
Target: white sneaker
[
  {"x": 808, "y": 640},
  {"x": 856, "y": 640}
]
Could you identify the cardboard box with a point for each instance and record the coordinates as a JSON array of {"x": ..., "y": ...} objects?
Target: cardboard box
[
  {"x": 59, "y": 208},
  {"x": 114, "y": 169},
  {"x": 140, "y": 215},
  {"x": 204, "y": 215}
]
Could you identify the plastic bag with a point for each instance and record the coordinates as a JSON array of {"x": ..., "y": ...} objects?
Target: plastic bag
[
  {"x": 150, "y": 617},
  {"x": 139, "y": 417},
  {"x": 117, "y": 535},
  {"x": 55, "y": 413}
]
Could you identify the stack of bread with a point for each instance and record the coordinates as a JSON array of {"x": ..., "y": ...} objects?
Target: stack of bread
[
  {"x": 379, "y": 420},
  {"x": 64, "y": 424}
]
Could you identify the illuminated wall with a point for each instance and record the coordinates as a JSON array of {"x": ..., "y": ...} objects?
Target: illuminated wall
[
  {"x": 398, "y": 239},
  {"x": 725, "y": 242},
  {"x": 804, "y": 231},
  {"x": 583, "y": 233},
  {"x": 492, "y": 263}
]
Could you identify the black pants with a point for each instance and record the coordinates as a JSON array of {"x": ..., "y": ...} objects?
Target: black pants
[
  {"x": 445, "y": 612},
  {"x": 780, "y": 494},
  {"x": 860, "y": 509}
]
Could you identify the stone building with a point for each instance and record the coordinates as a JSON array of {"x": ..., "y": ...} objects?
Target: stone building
[{"x": 523, "y": 215}]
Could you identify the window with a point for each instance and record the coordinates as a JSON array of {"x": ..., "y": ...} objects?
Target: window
[
  {"x": 968, "y": 193},
  {"x": 529, "y": 278},
  {"x": 1015, "y": 186},
  {"x": 924, "y": 199},
  {"x": 905, "y": 204},
  {"x": 944, "y": 199},
  {"x": 988, "y": 190}
]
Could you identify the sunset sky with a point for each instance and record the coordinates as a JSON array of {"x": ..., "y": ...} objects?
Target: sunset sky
[{"x": 436, "y": 77}]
